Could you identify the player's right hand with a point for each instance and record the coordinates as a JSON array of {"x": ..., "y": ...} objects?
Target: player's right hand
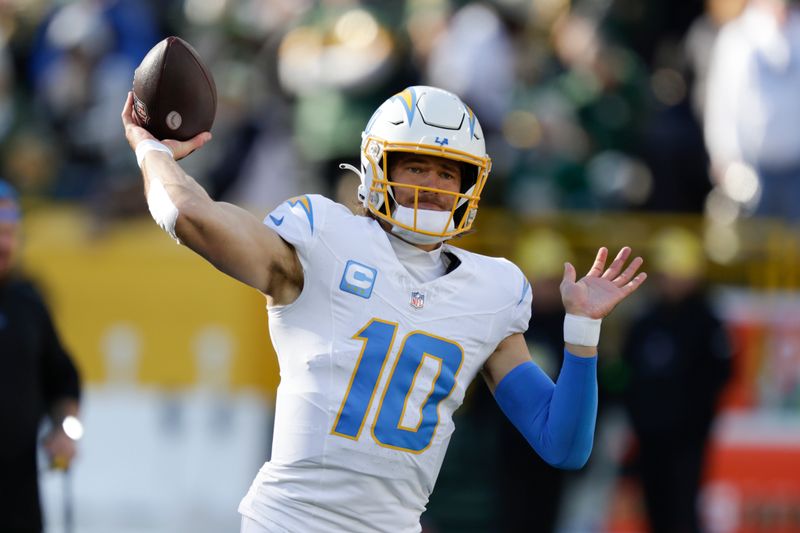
[{"x": 134, "y": 133}]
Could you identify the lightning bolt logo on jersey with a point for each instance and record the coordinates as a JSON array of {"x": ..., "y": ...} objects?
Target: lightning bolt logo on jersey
[{"x": 373, "y": 365}]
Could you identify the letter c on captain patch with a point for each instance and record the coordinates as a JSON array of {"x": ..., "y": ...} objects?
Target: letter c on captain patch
[{"x": 358, "y": 279}]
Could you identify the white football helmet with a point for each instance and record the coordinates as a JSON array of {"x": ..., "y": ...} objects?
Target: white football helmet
[{"x": 429, "y": 121}]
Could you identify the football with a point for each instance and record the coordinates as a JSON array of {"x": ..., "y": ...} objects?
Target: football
[{"x": 174, "y": 92}]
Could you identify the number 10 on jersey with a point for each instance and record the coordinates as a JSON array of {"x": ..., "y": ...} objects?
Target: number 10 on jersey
[{"x": 388, "y": 430}]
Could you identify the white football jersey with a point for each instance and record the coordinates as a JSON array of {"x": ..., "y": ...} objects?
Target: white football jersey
[{"x": 373, "y": 365}]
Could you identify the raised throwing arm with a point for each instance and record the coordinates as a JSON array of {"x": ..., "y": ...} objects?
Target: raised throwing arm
[{"x": 230, "y": 238}]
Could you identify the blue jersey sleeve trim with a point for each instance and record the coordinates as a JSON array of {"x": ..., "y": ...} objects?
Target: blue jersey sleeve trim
[
  {"x": 305, "y": 203},
  {"x": 525, "y": 288},
  {"x": 557, "y": 419}
]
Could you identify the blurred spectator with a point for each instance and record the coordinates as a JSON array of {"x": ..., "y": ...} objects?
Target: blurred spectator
[
  {"x": 566, "y": 92},
  {"x": 7, "y": 81},
  {"x": 672, "y": 140},
  {"x": 679, "y": 360},
  {"x": 578, "y": 129},
  {"x": 38, "y": 378},
  {"x": 476, "y": 53},
  {"x": 257, "y": 163},
  {"x": 82, "y": 58},
  {"x": 337, "y": 63},
  {"x": 699, "y": 43},
  {"x": 752, "y": 109},
  {"x": 651, "y": 29},
  {"x": 474, "y": 57}
]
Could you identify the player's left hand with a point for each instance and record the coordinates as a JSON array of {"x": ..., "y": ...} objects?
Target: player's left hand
[
  {"x": 601, "y": 289},
  {"x": 60, "y": 448}
]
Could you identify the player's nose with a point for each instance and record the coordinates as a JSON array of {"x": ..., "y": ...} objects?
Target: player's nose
[{"x": 431, "y": 178}]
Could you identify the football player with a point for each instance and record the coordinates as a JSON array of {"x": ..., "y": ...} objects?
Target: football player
[{"x": 380, "y": 324}]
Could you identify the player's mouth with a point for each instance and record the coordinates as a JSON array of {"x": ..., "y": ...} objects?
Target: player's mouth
[
  {"x": 432, "y": 206},
  {"x": 431, "y": 202}
]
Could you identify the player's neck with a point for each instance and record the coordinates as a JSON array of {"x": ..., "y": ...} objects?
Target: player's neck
[
  {"x": 423, "y": 247},
  {"x": 422, "y": 265},
  {"x": 426, "y": 248}
]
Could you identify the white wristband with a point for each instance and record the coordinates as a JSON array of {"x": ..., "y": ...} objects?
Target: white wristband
[
  {"x": 581, "y": 330},
  {"x": 162, "y": 209},
  {"x": 148, "y": 145}
]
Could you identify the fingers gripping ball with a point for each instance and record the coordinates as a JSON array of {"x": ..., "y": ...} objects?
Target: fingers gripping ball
[{"x": 174, "y": 92}]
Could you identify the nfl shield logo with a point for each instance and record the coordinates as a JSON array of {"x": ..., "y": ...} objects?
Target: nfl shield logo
[{"x": 417, "y": 299}]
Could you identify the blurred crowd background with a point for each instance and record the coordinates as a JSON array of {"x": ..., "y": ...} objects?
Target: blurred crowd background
[
  {"x": 597, "y": 104},
  {"x": 668, "y": 126}
]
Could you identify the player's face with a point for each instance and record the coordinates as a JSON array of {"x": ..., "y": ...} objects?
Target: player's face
[
  {"x": 9, "y": 232},
  {"x": 9, "y": 235},
  {"x": 425, "y": 171}
]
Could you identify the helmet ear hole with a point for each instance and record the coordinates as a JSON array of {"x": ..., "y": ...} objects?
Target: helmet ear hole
[
  {"x": 469, "y": 176},
  {"x": 391, "y": 161},
  {"x": 459, "y": 213}
]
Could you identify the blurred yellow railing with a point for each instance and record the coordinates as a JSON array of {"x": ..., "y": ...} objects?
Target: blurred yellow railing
[
  {"x": 125, "y": 294},
  {"x": 761, "y": 254},
  {"x": 132, "y": 305}
]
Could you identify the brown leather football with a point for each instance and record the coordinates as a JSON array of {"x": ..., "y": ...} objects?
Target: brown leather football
[{"x": 174, "y": 92}]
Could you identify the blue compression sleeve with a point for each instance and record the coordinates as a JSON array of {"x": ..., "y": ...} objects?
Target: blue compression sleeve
[{"x": 557, "y": 419}]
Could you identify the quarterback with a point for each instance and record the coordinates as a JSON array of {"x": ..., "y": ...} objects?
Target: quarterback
[{"x": 380, "y": 324}]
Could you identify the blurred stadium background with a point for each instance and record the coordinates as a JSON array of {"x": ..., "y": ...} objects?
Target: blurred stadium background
[{"x": 593, "y": 111}]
